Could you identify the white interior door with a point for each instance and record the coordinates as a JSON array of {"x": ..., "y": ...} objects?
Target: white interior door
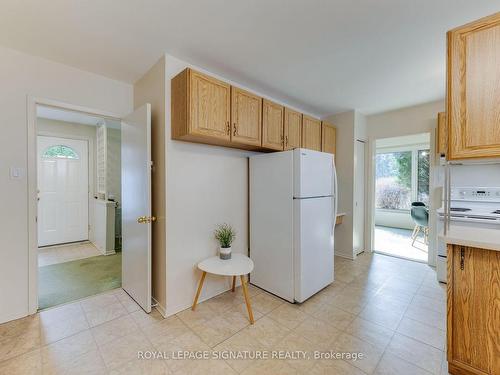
[
  {"x": 359, "y": 198},
  {"x": 63, "y": 191},
  {"x": 136, "y": 204}
]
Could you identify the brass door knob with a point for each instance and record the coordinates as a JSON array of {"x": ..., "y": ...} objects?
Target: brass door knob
[{"x": 146, "y": 219}]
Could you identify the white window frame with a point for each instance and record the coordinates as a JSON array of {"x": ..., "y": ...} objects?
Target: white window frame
[{"x": 414, "y": 169}]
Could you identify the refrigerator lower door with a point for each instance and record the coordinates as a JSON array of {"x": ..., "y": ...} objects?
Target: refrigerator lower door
[{"x": 313, "y": 246}]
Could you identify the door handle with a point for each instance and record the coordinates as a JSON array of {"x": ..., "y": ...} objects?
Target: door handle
[
  {"x": 235, "y": 129},
  {"x": 228, "y": 128},
  {"x": 146, "y": 219}
]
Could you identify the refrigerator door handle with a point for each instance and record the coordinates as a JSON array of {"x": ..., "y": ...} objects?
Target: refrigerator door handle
[{"x": 335, "y": 197}]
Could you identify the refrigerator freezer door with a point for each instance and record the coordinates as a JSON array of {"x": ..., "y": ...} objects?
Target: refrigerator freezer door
[
  {"x": 313, "y": 173},
  {"x": 271, "y": 223},
  {"x": 313, "y": 245}
]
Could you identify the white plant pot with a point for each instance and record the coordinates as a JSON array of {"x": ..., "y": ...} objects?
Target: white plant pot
[{"x": 225, "y": 253}]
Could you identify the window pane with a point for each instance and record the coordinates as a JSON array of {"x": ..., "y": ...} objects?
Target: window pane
[
  {"x": 60, "y": 151},
  {"x": 423, "y": 176},
  {"x": 393, "y": 180}
]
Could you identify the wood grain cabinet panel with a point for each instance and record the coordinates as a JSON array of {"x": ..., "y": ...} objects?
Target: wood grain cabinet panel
[
  {"x": 473, "y": 311},
  {"x": 272, "y": 125},
  {"x": 311, "y": 133},
  {"x": 200, "y": 108},
  {"x": 246, "y": 117},
  {"x": 293, "y": 129},
  {"x": 328, "y": 137},
  {"x": 473, "y": 89},
  {"x": 442, "y": 135}
]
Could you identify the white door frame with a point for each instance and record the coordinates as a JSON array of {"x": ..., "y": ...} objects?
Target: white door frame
[
  {"x": 32, "y": 103},
  {"x": 370, "y": 213}
]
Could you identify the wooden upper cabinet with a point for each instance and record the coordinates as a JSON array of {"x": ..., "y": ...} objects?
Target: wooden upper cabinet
[
  {"x": 200, "y": 107},
  {"x": 473, "y": 320},
  {"x": 272, "y": 125},
  {"x": 328, "y": 137},
  {"x": 473, "y": 89},
  {"x": 246, "y": 117},
  {"x": 311, "y": 133},
  {"x": 442, "y": 134},
  {"x": 293, "y": 129}
]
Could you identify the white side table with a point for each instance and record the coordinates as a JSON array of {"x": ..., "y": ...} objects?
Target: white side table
[{"x": 239, "y": 265}]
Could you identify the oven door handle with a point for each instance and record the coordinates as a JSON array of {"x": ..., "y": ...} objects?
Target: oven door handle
[{"x": 473, "y": 220}]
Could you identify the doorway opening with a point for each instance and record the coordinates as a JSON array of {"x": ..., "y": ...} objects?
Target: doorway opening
[
  {"x": 402, "y": 197},
  {"x": 78, "y": 205}
]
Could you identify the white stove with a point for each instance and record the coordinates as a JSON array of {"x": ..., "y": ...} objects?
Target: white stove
[{"x": 469, "y": 207}]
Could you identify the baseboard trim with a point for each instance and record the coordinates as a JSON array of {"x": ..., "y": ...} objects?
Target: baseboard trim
[{"x": 161, "y": 309}]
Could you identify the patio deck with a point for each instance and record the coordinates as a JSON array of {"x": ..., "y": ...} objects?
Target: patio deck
[{"x": 397, "y": 242}]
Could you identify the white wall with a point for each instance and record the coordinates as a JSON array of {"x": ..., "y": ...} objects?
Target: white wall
[
  {"x": 344, "y": 163},
  {"x": 351, "y": 125},
  {"x": 206, "y": 185},
  {"x": 404, "y": 121},
  {"x": 114, "y": 165},
  {"x": 22, "y": 75}
]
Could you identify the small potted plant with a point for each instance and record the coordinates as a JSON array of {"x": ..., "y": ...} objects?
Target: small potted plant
[{"x": 225, "y": 234}]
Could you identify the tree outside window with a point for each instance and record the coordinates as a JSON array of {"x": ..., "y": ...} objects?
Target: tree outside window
[{"x": 401, "y": 177}]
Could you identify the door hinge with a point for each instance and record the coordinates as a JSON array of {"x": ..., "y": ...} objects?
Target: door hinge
[
  {"x": 151, "y": 165},
  {"x": 462, "y": 258}
]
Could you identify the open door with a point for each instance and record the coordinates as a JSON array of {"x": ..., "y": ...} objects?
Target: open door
[{"x": 136, "y": 205}]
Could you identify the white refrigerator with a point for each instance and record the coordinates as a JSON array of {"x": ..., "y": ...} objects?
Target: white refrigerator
[{"x": 293, "y": 205}]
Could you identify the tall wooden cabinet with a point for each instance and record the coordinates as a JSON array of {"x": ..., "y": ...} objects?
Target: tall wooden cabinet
[
  {"x": 201, "y": 108},
  {"x": 246, "y": 117},
  {"x": 311, "y": 133},
  {"x": 473, "y": 89},
  {"x": 292, "y": 129},
  {"x": 442, "y": 135},
  {"x": 473, "y": 311},
  {"x": 272, "y": 125},
  {"x": 328, "y": 137}
]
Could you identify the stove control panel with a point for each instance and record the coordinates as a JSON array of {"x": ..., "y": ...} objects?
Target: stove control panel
[{"x": 476, "y": 194}]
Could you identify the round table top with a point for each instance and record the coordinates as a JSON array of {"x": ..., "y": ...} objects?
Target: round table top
[{"x": 239, "y": 264}]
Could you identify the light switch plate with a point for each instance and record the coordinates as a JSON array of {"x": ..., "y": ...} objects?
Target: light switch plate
[{"x": 16, "y": 173}]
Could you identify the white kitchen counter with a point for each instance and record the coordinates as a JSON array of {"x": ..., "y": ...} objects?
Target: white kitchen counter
[{"x": 474, "y": 237}]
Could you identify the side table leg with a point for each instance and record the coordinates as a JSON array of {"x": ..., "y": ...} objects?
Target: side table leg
[
  {"x": 247, "y": 298},
  {"x": 234, "y": 284},
  {"x": 200, "y": 285}
]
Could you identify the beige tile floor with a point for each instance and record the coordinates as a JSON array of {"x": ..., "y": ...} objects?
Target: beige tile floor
[
  {"x": 66, "y": 253},
  {"x": 391, "y": 310}
]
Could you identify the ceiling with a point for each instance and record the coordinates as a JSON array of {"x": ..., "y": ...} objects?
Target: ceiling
[
  {"x": 322, "y": 56},
  {"x": 74, "y": 117}
]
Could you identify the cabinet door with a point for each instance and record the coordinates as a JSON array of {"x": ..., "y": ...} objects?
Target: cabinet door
[
  {"x": 272, "y": 125},
  {"x": 328, "y": 137},
  {"x": 473, "y": 85},
  {"x": 293, "y": 129},
  {"x": 246, "y": 116},
  {"x": 474, "y": 309},
  {"x": 311, "y": 133},
  {"x": 209, "y": 106},
  {"x": 441, "y": 143}
]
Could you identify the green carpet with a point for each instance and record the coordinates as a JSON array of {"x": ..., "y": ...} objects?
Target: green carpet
[{"x": 65, "y": 282}]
